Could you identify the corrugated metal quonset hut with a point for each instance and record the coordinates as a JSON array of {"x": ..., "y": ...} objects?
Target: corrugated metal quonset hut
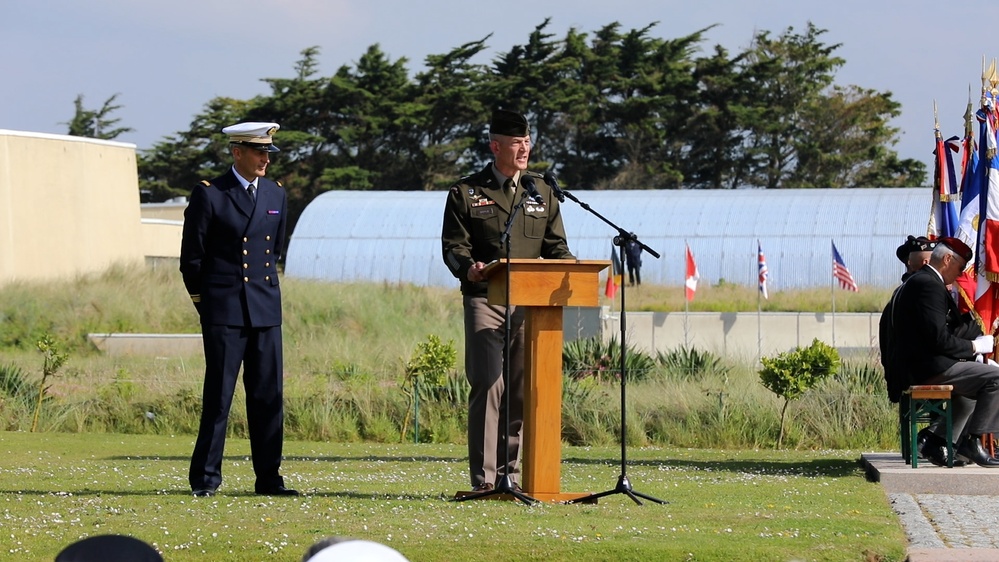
[{"x": 394, "y": 236}]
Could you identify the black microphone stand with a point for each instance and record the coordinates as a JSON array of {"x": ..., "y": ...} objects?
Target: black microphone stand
[
  {"x": 506, "y": 485},
  {"x": 623, "y": 483}
]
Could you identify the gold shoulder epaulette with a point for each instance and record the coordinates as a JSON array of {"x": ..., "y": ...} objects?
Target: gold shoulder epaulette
[
  {"x": 279, "y": 184},
  {"x": 206, "y": 183}
]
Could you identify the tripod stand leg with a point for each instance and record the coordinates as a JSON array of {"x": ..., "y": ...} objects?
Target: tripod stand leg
[
  {"x": 623, "y": 487},
  {"x": 623, "y": 484},
  {"x": 648, "y": 497},
  {"x": 505, "y": 486}
]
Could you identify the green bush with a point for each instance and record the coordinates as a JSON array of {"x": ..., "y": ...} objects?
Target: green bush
[{"x": 791, "y": 374}]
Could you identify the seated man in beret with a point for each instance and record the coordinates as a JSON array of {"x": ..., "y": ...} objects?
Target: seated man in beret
[
  {"x": 914, "y": 253},
  {"x": 931, "y": 344}
]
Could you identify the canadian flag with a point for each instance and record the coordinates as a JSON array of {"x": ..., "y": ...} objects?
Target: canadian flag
[{"x": 692, "y": 276}]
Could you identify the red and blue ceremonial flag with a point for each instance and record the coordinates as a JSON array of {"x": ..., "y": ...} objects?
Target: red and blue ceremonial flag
[{"x": 943, "y": 213}]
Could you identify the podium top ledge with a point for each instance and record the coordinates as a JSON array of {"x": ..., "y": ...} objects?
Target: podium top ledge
[{"x": 515, "y": 263}]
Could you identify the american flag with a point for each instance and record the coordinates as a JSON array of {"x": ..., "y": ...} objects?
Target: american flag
[
  {"x": 763, "y": 270},
  {"x": 841, "y": 273}
]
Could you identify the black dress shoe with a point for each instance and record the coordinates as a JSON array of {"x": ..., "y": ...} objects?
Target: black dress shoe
[
  {"x": 972, "y": 449},
  {"x": 484, "y": 487},
  {"x": 276, "y": 491},
  {"x": 924, "y": 436},
  {"x": 203, "y": 493},
  {"x": 937, "y": 455},
  {"x": 933, "y": 448}
]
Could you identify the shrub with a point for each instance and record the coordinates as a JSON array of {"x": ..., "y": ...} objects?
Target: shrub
[
  {"x": 53, "y": 359},
  {"x": 791, "y": 374},
  {"x": 429, "y": 366}
]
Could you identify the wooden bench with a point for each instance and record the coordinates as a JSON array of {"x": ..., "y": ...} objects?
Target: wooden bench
[{"x": 920, "y": 404}]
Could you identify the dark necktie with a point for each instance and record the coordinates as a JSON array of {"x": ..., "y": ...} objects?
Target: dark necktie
[{"x": 252, "y": 190}]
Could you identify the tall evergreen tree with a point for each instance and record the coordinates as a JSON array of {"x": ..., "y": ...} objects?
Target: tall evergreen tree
[
  {"x": 786, "y": 75},
  {"x": 96, "y": 123},
  {"x": 612, "y": 110},
  {"x": 447, "y": 116}
]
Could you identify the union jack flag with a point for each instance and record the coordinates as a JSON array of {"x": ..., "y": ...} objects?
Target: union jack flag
[
  {"x": 764, "y": 273},
  {"x": 841, "y": 273}
]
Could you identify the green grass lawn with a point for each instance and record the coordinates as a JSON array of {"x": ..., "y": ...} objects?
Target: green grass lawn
[{"x": 723, "y": 505}]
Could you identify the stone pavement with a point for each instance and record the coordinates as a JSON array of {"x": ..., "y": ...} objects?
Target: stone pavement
[{"x": 949, "y": 514}]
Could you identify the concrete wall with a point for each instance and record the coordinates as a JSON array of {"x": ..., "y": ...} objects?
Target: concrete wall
[
  {"x": 172, "y": 210},
  {"x": 68, "y": 205},
  {"x": 162, "y": 229},
  {"x": 745, "y": 335},
  {"x": 161, "y": 238}
]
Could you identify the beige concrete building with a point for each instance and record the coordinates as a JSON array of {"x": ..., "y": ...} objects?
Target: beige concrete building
[
  {"x": 70, "y": 205},
  {"x": 162, "y": 228}
]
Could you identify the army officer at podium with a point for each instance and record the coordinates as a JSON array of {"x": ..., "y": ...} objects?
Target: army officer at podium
[{"x": 475, "y": 216}]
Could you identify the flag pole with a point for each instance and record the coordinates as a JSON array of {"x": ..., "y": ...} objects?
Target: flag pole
[
  {"x": 686, "y": 303},
  {"x": 759, "y": 327},
  {"x": 686, "y": 312},
  {"x": 832, "y": 292}
]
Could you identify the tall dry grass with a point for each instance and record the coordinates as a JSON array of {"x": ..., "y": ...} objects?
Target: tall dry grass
[{"x": 345, "y": 350}]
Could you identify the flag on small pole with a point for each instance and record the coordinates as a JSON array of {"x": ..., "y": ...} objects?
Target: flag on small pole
[
  {"x": 841, "y": 273},
  {"x": 763, "y": 272},
  {"x": 690, "y": 283},
  {"x": 614, "y": 277}
]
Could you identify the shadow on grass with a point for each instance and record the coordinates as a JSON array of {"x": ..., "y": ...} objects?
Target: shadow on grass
[
  {"x": 836, "y": 468},
  {"x": 235, "y": 494},
  {"x": 364, "y": 458}
]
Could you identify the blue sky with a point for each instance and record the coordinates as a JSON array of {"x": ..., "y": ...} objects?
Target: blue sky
[{"x": 167, "y": 59}]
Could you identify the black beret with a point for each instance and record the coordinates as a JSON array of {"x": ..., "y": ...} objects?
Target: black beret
[
  {"x": 959, "y": 248},
  {"x": 509, "y": 123},
  {"x": 109, "y": 548},
  {"x": 914, "y": 244}
]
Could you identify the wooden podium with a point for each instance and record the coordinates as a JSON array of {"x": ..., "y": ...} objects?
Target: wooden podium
[{"x": 544, "y": 287}]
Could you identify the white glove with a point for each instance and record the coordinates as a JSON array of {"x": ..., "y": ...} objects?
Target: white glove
[{"x": 983, "y": 344}]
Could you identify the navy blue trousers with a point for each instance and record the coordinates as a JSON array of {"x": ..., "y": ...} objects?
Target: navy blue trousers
[{"x": 258, "y": 351}]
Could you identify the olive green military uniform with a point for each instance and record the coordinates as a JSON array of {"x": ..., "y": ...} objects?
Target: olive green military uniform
[{"x": 475, "y": 216}]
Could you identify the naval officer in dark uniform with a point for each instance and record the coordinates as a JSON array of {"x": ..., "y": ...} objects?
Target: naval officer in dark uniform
[
  {"x": 477, "y": 209},
  {"x": 234, "y": 229}
]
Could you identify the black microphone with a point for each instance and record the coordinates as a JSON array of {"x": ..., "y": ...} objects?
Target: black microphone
[
  {"x": 552, "y": 181},
  {"x": 532, "y": 189}
]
